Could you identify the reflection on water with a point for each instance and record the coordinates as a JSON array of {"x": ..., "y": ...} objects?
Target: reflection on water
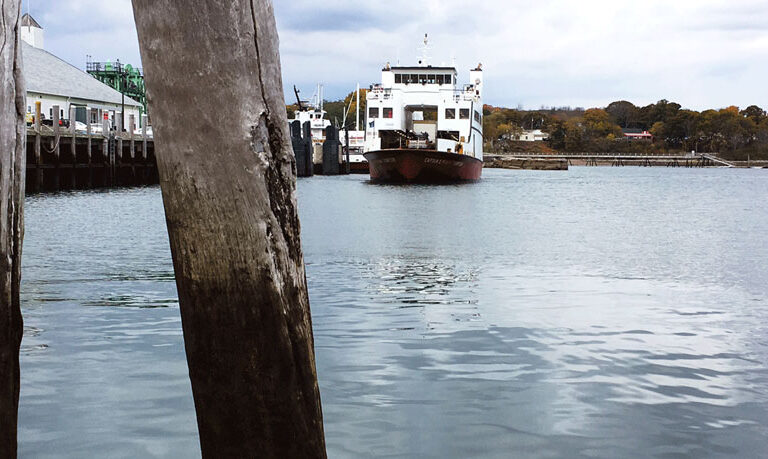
[{"x": 596, "y": 313}]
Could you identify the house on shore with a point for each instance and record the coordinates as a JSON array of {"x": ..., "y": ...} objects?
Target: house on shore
[
  {"x": 533, "y": 135},
  {"x": 53, "y": 81},
  {"x": 637, "y": 134}
]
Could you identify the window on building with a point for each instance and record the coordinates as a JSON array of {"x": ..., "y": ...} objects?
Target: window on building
[
  {"x": 477, "y": 116},
  {"x": 450, "y": 113},
  {"x": 373, "y": 112},
  {"x": 398, "y": 78},
  {"x": 422, "y": 79},
  {"x": 448, "y": 79},
  {"x": 387, "y": 112},
  {"x": 431, "y": 79},
  {"x": 464, "y": 113},
  {"x": 440, "y": 79}
]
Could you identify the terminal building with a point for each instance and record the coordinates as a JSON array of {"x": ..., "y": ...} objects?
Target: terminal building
[{"x": 53, "y": 81}]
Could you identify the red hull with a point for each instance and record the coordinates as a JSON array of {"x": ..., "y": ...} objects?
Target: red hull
[
  {"x": 358, "y": 168},
  {"x": 422, "y": 166}
]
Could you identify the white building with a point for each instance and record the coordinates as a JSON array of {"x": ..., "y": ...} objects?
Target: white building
[
  {"x": 534, "y": 135},
  {"x": 52, "y": 81}
]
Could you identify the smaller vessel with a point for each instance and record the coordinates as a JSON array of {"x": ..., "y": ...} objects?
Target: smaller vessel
[
  {"x": 312, "y": 111},
  {"x": 355, "y": 139},
  {"x": 422, "y": 127}
]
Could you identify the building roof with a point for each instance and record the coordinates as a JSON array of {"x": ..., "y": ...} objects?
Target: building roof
[
  {"x": 45, "y": 73},
  {"x": 29, "y": 21}
]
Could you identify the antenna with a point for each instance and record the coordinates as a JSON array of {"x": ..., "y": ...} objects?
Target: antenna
[{"x": 424, "y": 61}]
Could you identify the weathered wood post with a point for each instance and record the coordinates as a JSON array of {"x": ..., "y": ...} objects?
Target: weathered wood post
[
  {"x": 106, "y": 155},
  {"x": 131, "y": 128},
  {"x": 230, "y": 203},
  {"x": 56, "y": 147},
  {"x": 118, "y": 157},
  {"x": 132, "y": 148},
  {"x": 309, "y": 147},
  {"x": 331, "y": 151},
  {"x": 145, "y": 176},
  {"x": 73, "y": 147},
  {"x": 13, "y": 138},
  {"x": 89, "y": 117},
  {"x": 38, "y": 153},
  {"x": 298, "y": 147},
  {"x": 144, "y": 120}
]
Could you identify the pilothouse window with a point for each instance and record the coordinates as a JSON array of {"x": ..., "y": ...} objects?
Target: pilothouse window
[
  {"x": 450, "y": 113},
  {"x": 464, "y": 113},
  {"x": 387, "y": 112},
  {"x": 398, "y": 78},
  {"x": 431, "y": 79},
  {"x": 447, "y": 79},
  {"x": 373, "y": 112},
  {"x": 440, "y": 79}
]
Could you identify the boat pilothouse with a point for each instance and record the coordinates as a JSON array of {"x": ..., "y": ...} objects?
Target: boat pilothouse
[{"x": 423, "y": 126}]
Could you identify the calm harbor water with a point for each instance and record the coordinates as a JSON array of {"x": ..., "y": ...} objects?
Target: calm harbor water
[{"x": 599, "y": 312}]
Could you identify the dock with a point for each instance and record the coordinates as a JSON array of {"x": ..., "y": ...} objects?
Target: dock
[
  {"x": 59, "y": 157},
  {"x": 619, "y": 159}
]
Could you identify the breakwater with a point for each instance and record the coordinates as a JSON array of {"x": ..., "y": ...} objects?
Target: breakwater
[{"x": 619, "y": 159}]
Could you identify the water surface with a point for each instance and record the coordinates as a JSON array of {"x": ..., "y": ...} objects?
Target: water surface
[{"x": 599, "y": 312}]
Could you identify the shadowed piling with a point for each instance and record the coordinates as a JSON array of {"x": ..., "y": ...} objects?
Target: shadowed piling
[{"x": 12, "y": 164}]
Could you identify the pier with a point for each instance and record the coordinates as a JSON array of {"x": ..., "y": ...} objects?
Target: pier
[
  {"x": 59, "y": 157},
  {"x": 620, "y": 159}
]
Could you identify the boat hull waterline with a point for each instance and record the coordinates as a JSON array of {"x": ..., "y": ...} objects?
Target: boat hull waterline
[{"x": 422, "y": 166}]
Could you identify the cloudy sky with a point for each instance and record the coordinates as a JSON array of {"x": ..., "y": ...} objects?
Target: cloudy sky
[{"x": 700, "y": 53}]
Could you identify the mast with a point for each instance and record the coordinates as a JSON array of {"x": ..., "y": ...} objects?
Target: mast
[{"x": 357, "y": 108}]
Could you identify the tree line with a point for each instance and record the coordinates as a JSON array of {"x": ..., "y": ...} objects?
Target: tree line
[{"x": 731, "y": 132}]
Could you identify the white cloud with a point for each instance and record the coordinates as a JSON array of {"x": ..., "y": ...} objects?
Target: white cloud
[{"x": 701, "y": 53}]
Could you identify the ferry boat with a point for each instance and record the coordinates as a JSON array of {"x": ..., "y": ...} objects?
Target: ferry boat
[{"x": 422, "y": 127}]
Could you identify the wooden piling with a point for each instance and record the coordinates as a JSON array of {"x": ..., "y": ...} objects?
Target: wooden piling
[
  {"x": 118, "y": 162},
  {"x": 56, "y": 148},
  {"x": 38, "y": 154},
  {"x": 131, "y": 128},
  {"x": 106, "y": 157},
  {"x": 89, "y": 148},
  {"x": 12, "y": 171},
  {"x": 230, "y": 203},
  {"x": 73, "y": 149},
  {"x": 144, "y": 120}
]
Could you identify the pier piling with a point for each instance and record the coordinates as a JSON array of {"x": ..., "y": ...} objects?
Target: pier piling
[
  {"x": 56, "y": 148},
  {"x": 233, "y": 228},
  {"x": 12, "y": 164}
]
